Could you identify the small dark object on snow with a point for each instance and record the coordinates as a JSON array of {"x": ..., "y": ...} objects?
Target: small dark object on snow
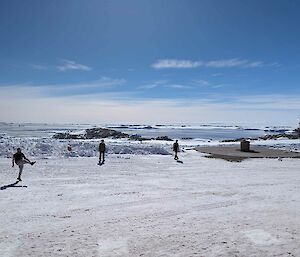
[{"x": 245, "y": 146}]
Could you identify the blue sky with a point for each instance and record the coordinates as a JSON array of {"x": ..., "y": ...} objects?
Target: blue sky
[{"x": 158, "y": 61}]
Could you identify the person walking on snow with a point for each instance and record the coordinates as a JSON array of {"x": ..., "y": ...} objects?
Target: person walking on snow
[
  {"x": 176, "y": 149},
  {"x": 102, "y": 151},
  {"x": 20, "y": 159}
]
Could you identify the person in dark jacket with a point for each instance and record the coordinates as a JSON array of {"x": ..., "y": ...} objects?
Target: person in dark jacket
[
  {"x": 20, "y": 159},
  {"x": 101, "y": 151},
  {"x": 176, "y": 149}
]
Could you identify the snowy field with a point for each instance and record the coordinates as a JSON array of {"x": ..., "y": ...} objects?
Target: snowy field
[{"x": 150, "y": 205}]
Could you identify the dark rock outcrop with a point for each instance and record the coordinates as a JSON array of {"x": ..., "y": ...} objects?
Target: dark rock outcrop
[
  {"x": 104, "y": 133},
  {"x": 164, "y": 138},
  {"x": 94, "y": 133}
]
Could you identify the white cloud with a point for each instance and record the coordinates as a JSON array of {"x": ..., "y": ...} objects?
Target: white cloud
[
  {"x": 254, "y": 64},
  {"x": 188, "y": 64},
  {"x": 235, "y": 62},
  {"x": 178, "y": 86},
  {"x": 175, "y": 64},
  {"x": 161, "y": 82},
  {"x": 148, "y": 86},
  {"x": 109, "y": 82},
  {"x": 154, "y": 84},
  {"x": 226, "y": 63},
  {"x": 72, "y": 65},
  {"x": 103, "y": 82},
  {"x": 205, "y": 83},
  {"x": 189, "y": 85},
  {"x": 269, "y": 102},
  {"x": 164, "y": 84},
  {"x": 275, "y": 64},
  {"x": 21, "y": 103},
  {"x": 48, "y": 90},
  {"x": 200, "y": 82}
]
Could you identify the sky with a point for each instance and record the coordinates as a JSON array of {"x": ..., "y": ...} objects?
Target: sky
[{"x": 171, "y": 61}]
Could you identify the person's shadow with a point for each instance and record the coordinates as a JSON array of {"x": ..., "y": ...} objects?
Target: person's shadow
[{"x": 11, "y": 185}]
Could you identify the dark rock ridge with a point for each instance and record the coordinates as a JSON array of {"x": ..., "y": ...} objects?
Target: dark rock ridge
[
  {"x": 140, "y": 138},
  {"x": 164, "y": 138},
  {"x": 295, "y": 135},
  {"x": 98, "y": 133},
  {"x": 281, "y": 131},
  {"x": 94, "y": 133},
  {"x": 132, "y": 127}
]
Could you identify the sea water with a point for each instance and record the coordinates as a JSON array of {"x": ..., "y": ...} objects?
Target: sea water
[{"x": 202, "y": 131}]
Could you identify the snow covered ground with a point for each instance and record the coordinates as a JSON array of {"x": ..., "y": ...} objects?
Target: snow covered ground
[
  {"x": 48, "y": 147},
  {"x": 150, "y": 205}
]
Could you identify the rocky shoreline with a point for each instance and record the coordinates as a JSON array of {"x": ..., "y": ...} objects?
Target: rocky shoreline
[
  {"x": 295, "y": 135},
  {"x": 99, "y": 133}
]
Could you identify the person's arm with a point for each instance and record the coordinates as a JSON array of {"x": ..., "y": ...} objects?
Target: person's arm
[{"x": 13, "y": 161}]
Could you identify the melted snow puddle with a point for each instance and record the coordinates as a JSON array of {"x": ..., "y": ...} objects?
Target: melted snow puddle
[
  {"x": 260, "y": 237},
  {"x": 113, "y": 247}
]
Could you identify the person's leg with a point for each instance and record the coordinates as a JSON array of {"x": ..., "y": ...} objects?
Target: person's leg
[
  {"x": 27, "y": 162},
  {"x": 103, "y": 156},
  {"x": 176, "y": 156},
  {"x": 21, "y": 165},
  {"x": 100, "y": 158}
]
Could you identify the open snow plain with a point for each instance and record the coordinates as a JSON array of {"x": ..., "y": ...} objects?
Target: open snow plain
[{"x": 150, "y": 205}]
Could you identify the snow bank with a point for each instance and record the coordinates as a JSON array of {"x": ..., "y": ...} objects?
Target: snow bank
[{"x": 46, "y": 147}]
